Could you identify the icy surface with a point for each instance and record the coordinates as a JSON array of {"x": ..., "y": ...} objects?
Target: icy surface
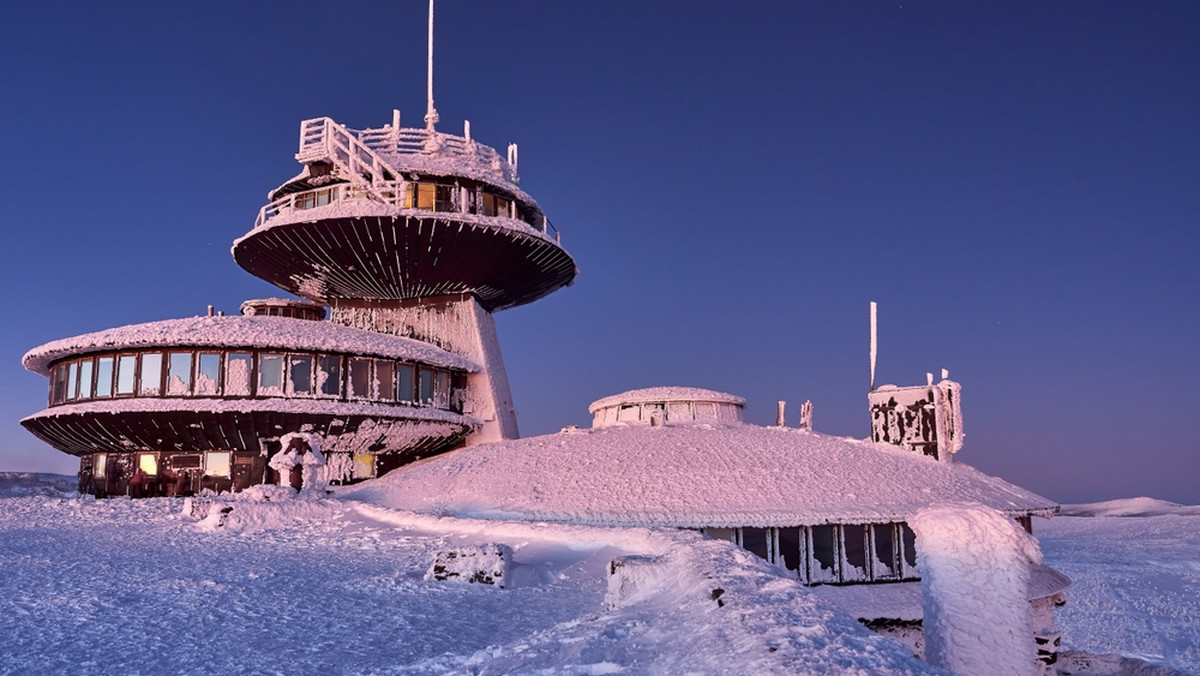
[
  {"x": 692, "y": 475},
  {"x": 327, "y": 586},
  {"x": 1135, "y": 582},
  {"x": 974, "y": 565},
  {"x": 260, "y": 332}
]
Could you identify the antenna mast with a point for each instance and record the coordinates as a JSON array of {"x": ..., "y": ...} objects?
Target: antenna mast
[
  {"x": 431, "y": 115},
  {"x": 874, "y": 340}
]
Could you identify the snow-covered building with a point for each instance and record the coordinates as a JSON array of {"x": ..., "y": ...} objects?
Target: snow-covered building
[
  {"x": 411, "y": 237},
  {"x": 833, "y": 511}
]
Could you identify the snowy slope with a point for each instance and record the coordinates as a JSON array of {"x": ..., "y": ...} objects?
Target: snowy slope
[
  {"x": 308, "y": 587},
  {"x": 692, "y": 475}
]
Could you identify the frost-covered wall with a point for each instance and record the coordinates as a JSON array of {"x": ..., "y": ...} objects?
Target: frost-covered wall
[
  {"x": 461, "y": 326},
  {"x": 926, "y": 419}
]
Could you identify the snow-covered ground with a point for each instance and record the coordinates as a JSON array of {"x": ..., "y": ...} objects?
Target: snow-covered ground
[
  {"x": 1135, "y": 571},
  {"x": 338, "y": 586}
]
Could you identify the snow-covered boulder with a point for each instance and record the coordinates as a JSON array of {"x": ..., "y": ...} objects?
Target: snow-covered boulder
[{"x": 485, "y": 564}]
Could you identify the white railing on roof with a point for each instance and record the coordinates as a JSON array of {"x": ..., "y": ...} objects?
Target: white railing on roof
[{"x": 365, "y": 151}]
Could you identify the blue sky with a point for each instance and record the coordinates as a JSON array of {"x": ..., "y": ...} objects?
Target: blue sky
[{"x": 1014, "y": 183}]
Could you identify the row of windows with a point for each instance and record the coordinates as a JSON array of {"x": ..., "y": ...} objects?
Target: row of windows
[
  {"x": 203, "y": 373},
  {"x": 452, "y": 197},
  {"x": 833, "y": 553}
]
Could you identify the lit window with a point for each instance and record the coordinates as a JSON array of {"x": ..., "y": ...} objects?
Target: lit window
[
  {"x": 179, "y": 373},
  {"x": 104, "y": 376},
  {"x": 100, "y": 465},
  {"x": 148, "y": 463},
  {"x": 270, "y": 375},
  {"x": 237, "y": 374},
  {"x": 216, "y": 463},
  {"x": 150, "y": 382}
]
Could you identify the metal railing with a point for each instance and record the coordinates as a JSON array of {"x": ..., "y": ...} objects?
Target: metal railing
[{"x": 391, "y": 193}]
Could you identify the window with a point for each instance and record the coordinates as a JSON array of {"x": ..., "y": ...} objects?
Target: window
[
  {"x": 909, "y": 538},
  {"x": 270, "y": 374},
  {"x": 884, "y": 563},
  {"x": 85, "y": 379},
  {"x": 300, "y": 372},
  {"x": 629, "y": 413},
  {"x": 179, "y": 373},
  {"x": 720, "y": 533},
  {"x": 420, "y": 196},
  {"x": 405, "y": 383},
  {"x": 425, "y": 394},
  {"x": 755, "y": 541},
  {"x": 679, "y": 411},
  {"x": 329, "y": 375},
  {"x": 316, "y": 198},
  {"x": 58, "y": 384},
  {"x": 216, "y": 463},
  {"x": 823, "y": 554},
  {"x": 150, "y": 382},
  {"x": 208, "y": 373},
  {"x": 791, "y": 548},
  {"x": 72, "y": 379},
  {"x": 495, "y": 205},
  {"x": 706, "y": 410},
  {"x": 854, "y": 541},
  {"x": 360, "y": 378},
  {"x": 126, "y": 370},
  {"x": 104, "y": 377},
  {"x": 100, "y": 465},
  {"x": 385, "y": 380},
  {"x": 148, "y": 463},
  {"x": 237, "y": 374},
  {"x": 441, "y": 390}
]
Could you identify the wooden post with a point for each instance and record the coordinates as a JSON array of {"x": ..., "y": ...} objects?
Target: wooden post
[{"x": 779, "y": 413}]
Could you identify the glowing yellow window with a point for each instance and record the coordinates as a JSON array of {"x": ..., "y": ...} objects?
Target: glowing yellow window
[{"x": 148, "y": 463}]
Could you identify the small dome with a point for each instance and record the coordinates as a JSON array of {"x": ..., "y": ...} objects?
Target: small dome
[
  {"x": 283, "y": 307},
  {"x": 657, "y": 405}
]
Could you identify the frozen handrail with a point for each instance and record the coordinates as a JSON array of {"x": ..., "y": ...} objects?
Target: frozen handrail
[{"x": 322, "y": 139}]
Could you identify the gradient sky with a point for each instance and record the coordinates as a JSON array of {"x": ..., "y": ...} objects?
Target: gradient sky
[{"x": 1016, "y": 183}]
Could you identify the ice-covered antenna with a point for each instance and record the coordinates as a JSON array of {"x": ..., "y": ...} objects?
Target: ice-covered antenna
[
  {"x": 874, "y": 344},
  {"x": 431, "y": 116}
]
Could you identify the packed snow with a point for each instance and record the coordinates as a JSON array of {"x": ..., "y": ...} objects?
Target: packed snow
[
  {"x": 322, "y": 586},
  {"x": 303, "y": 585},
  {"x": 692, "y": 475}
]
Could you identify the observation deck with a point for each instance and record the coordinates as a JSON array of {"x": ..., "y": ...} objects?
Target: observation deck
[{"x": 393, "y": 213}]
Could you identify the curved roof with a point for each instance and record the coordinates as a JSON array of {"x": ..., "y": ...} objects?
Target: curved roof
[
  {"x": 692, "y": 476},
  {"x": 258, "y": 332},
  {"x": 656, "y": 394}
]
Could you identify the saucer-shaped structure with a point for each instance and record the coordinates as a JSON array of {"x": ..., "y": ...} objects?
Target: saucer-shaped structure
[
  {"x": 398, "y": 214},
  {"x": 207, "y": 394}
]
